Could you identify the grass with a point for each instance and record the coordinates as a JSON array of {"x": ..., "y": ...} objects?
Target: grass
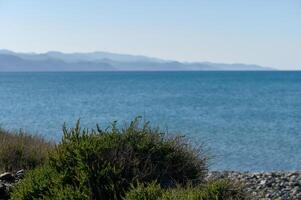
[
  {"x": 214, "y": 190},
  {"x": 19, "y": 150}
]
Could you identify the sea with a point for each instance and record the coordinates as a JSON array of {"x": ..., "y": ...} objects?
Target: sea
[{"x": 246, "y": 121}]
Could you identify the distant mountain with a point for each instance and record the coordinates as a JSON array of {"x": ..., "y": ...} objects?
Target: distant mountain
[
  {"x": 14, "y": 63},
  {"x": 103, "y": 61}
]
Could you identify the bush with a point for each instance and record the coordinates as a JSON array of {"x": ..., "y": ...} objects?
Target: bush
[
  {"x": 22, "y": 151},
  {"x": 45, "y": 183},
  {"x": 107, "y": 162},
  {"x": 151, "y": 191},
  {"x": 217, "y": 190}
]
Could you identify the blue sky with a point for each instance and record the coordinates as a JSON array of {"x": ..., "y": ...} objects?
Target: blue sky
[{"x": 264, "y": 32}]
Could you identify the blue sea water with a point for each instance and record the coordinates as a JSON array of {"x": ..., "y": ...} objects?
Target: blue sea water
[{"x": 248, "y": 120}]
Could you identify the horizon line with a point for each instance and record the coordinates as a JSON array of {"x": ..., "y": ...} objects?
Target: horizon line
[{"x": 145, "y": 56}]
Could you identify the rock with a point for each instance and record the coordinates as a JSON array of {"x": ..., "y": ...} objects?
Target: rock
[
  {"x": 20, "y": 174},
  {"x": 7, "y": 177},
  {"x": 297, "y": 196},
  {"x": 7, "y": 182},
  {"x": 4, "y": 194},
  {"x": 262, "y": 182},
  {"x": 296, "y": 190}
]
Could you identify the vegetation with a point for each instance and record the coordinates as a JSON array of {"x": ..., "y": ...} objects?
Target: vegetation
[
  {"x": 136, "y": 162},
  {"x": 46, "y": 183},
  {"x": 19, "y": 150},
  {"x": 216, "y": 190}
]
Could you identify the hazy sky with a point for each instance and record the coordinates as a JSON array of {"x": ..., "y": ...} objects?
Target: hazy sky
[{"x": 264, "y": 32}]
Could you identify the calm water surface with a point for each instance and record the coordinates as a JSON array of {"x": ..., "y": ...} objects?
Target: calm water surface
[{"x": 249, "y": 120}]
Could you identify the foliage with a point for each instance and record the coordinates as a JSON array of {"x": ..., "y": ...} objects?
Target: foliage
[
  {"x": 19, "y": 150},
  {"x": 216, "y": 190},
  {"x": 103, "y": 164},
  {"x": 140, "y": 191},
  {"x": 46, "y": 183}
]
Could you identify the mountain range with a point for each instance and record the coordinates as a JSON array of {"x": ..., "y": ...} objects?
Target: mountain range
[{"x": 103, "y": 61}]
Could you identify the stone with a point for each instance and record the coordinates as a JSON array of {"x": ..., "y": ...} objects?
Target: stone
[
  {"x": 296, "y": 190},
  {"x": 3, "y": 191},
  {"x": 7, "y": 177},
  {"x": 297, "y": 196},
  {"x": 20, "y": 174},
  {"x": 262, "y": 182}
]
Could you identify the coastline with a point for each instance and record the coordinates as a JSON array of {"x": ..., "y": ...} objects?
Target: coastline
[{"x": 259, "y": 185}]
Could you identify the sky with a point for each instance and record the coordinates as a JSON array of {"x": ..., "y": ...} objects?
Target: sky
[{"x": 263, "y": 32}]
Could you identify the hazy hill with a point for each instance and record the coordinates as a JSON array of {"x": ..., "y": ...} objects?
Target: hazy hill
[
  {"x": 103, "y": 61},
  {"x": 15, "y": 63}
]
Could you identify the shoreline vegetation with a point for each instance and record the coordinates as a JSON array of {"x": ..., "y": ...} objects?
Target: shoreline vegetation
[{"x": 136, "y": 162}]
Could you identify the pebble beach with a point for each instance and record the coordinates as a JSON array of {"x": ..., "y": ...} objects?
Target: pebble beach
[{"x": 265, "y": 185}]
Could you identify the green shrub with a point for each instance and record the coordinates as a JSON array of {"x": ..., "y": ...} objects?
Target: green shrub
[
  {"x": 217, "y": 190},
  {"x": 151, "y": 191},
  {"x": 106, "y": 162},
  {"x": 45, "y": 183},
  {"x": 22, "y": 151}
]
